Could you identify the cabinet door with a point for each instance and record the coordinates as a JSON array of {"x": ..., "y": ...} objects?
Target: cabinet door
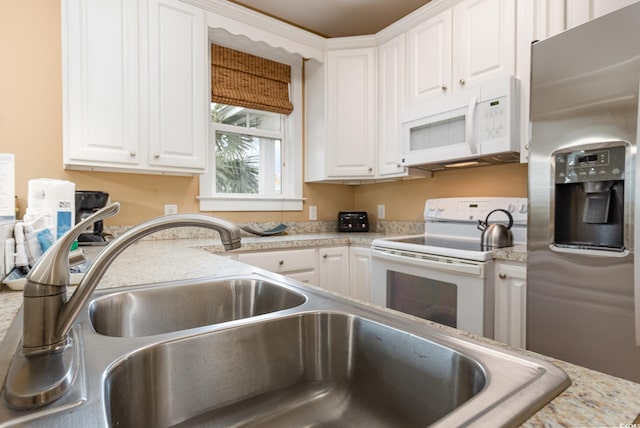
[
  {"x": 390, "y": 101},
  {"x": 581, "y": 11},
  {"x": 333, "y": 269},
  {"x": 101, "y": 103},
  {"x": 484, "y": 41},
  {"x": 510, "y": 303},
  {"x": 351, "y": 107},
  {"x": 178, "y": 115},
  {"x": 429, "y": 59},
  {"x": 359, "y": 277}
]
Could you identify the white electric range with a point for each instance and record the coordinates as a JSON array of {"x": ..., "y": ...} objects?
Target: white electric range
[{"x": 445, "y": 275}]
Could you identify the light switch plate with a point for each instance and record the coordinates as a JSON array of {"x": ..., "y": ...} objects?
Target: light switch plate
[
  {"x": 380, "y": 212},
  {"x": 313, "y": 212}
]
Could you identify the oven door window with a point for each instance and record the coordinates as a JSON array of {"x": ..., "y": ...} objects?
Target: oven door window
[{"x": 423, "y": 297}]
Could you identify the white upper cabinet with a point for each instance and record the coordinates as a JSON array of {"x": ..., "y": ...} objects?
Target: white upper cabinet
[
  {"x": 134, "y": 86},
  {"x": 351, "y": 107},
  {"x": 460, "y": 47},
  {"x": 178, "y": 95},
  {"x": 581, "y": 11},
  {"x": 484, "y": 41},
  {"x": 429, "y": 58},
  {"x": 390, "y": 101},
  {"x": 101, "y": 96},
  {"x": 340, "y": 115}
]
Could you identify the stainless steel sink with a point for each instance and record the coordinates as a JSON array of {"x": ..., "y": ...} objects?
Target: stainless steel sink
[
  {"x": 320, "y": 369},
  {"x": 175, "y": 306},
  {"x": 287, "y": 355}
]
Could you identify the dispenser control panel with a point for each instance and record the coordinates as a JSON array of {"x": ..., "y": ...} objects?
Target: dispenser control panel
[{"x": 578, "y": 166}]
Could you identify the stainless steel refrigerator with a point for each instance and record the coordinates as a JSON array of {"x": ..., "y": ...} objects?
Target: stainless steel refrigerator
[{"x": 582, "y": 181}]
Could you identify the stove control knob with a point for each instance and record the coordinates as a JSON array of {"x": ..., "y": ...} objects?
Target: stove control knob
[
  {"x": 511, "y": 208},
  {"x": 523, "y": 209},
  {"x": 440, "y": 208}
]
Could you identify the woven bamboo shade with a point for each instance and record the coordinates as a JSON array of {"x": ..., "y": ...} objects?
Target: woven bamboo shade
[{"x": 245, "y": 80}]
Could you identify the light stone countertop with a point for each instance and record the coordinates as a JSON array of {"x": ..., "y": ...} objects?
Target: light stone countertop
[{"x": 593, "y": 399}]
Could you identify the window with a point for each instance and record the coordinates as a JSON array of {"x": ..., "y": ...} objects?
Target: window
[
  {"x": 255, "y": 156},
  {"x": 248, "y": 150}
]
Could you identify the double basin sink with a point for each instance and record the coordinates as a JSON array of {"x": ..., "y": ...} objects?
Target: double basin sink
[{"x": 264, "y": 351}]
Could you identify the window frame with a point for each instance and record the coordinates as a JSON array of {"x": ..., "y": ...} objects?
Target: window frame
[{"x": 291, "y": 198}]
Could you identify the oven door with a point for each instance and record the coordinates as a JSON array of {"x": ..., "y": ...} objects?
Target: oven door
[{"x": 446, "y": 290}]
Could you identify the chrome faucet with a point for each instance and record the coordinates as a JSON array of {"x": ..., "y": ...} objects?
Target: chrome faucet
[{"x": 47, "y": 365}]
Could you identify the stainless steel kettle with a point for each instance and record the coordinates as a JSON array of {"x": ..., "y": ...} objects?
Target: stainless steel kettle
[{"x": 496, "y": 235}]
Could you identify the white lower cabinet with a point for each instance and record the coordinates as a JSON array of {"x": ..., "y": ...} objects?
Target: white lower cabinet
[
  {"x": 300, "y": 264},
  {"x": 340, "y": 269},
  {"x": 333, "y": 269},
  {"x": 359, "y": 277},
  {"x": 510, "y": 303}
]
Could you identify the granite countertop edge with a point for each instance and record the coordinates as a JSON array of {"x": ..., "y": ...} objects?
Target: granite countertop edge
[
  {"x": 593, "y": 399},
  {"x": 517, "y": 253}
]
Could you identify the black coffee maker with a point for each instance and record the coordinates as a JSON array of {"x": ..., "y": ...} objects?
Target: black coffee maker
[{"x": 88, "y": 202}]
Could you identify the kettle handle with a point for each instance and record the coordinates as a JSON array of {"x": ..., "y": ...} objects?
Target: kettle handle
[{"x": 486, "y": 222}]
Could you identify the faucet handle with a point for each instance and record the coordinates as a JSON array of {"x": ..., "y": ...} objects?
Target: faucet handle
[{"x": 53, "y": 266}]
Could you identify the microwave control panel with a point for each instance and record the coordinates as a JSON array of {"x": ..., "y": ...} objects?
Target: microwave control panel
[{"x": 493, "y": 116}]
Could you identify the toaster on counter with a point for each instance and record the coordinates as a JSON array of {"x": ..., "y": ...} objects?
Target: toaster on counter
[{"x": 353, "y": 221}]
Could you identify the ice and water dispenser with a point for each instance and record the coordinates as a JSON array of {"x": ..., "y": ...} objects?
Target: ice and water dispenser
[{"x": 589, "y": 197}]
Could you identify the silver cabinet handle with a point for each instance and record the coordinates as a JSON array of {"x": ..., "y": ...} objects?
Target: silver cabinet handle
[
  {"x": 325, "y": 256},
  {"x": 281, "y": 262},
  {"x": 157, "y": 155},
  {"x": 132, "y": 154},
  {"x": 502, "y": 275},
  {"x": 462, "y": 82},
  {"x": 444, "y": 87}
]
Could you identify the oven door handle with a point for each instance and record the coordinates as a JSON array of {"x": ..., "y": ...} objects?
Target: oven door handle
[{"x": 433, "y": 262}]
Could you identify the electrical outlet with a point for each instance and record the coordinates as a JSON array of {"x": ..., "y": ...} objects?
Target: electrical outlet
[
  {"x": 380, "y": 212},
  {"x": 170, "y": 209},
  {"x": 313, "y": 212}
]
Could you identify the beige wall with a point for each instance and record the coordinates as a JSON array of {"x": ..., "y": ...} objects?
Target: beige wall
[
  {"x": 31, "y": 127},
  {"x": 404, "y": 200}
]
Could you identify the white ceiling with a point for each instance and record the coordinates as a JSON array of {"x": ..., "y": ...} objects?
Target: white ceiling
[{"x": 336, "y": 18}]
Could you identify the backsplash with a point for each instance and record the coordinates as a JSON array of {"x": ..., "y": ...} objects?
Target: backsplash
[{"x": 393, "y": 228}]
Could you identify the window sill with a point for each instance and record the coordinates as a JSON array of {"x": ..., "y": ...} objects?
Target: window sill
[{"x": 249, "y": 203}]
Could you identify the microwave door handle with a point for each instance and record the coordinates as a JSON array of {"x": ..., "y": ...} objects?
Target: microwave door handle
[{"x": 471, "y": 110}]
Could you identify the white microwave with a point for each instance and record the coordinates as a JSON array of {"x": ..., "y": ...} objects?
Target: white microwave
[{"x": 477, "y": 123}]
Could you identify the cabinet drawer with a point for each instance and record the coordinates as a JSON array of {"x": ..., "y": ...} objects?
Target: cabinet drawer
[{"x": 282, "y": 261}]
